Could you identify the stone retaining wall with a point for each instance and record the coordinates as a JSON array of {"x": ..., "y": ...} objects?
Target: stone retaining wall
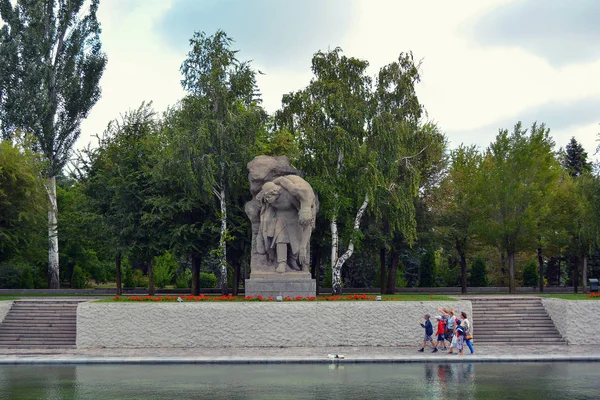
[
  {"x": 255, "y": 324},
  {"x": 4, "y": 309},
  {"x": 577, "y": 321}
]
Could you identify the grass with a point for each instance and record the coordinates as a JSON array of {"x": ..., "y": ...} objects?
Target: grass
[
  {"x": 569, "y": 296},
  {"x": 7, "y": 298}
]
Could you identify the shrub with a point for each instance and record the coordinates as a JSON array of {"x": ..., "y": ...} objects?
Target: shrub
[
  {"x": 164, "y": 269},
  {"x": 207, "y": 280},
  {"x": 139, "y": 279},
  {"x": 530, "y": 274},
  {"x": 427, "y": 270},
  {"x": 10, "y": 275},
  {"x": 79, "y": 279},
  {"x": 184, "y": 279},
  {"x": 27, "y": 278},
  {"x": 479, "y": 273},
  {"x": 127, "y": 273}
]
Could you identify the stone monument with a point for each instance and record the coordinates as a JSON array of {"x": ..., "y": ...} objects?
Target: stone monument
[{"x": 282, "y": 212}]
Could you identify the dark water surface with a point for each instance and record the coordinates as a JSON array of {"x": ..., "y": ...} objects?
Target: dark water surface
[{"x": 530, "y": 381}]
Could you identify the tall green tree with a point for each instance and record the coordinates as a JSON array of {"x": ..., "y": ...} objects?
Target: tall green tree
[
  {"x": 454, "y": 203},
  {"x": 51, "y": 62},
  {"x": 354, "y": 141},
  {"x": 222, "y": 92},
  {"x": 517, "y": 173}
]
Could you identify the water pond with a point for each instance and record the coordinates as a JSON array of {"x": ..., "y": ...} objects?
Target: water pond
[{"x": 546, "y": 381}]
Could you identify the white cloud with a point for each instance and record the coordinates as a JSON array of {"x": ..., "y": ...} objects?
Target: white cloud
[{"x": 465, "y": 86}]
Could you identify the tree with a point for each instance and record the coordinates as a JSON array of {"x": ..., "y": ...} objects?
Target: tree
[
  {"x": 530, "y": 274},
  {"x": 575, "y": 159},
  {"x": 356, "y": 143},
  {"x": 223, "y": 95},
  {"x": 427, "y": 269},
  {"x": 518, "y": 171},
  {"x": 479, "y": 273},
  {"x": 21, "y": 200},
  {"x": 116, "y": 176},
  {"x": 51, "y": 62},
  {"x": 454, "y": 203}
]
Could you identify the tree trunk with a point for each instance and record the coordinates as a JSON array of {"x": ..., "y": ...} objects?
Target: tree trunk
[
  {"x": 336, "y": 281},
  {"x": 382, "y": 279},
  {"x": 392, "y": 273},
  {"x": 541, "y": 268},
  {"x": 53, "y": 266},
  {"x": 511, "y": 273},
  {"x": 316, "y": 266},
  {"x": 223, "y": 242},
  {"x": 150, "y": 279},
  {"x": 196, "y": 262},
  {"x": 236, "y": 277},
  {"x": 585, "y": 261},
  {"x": 460, "y": 247},
  {"x": 575, "y": 274},
  {"x": 336, "y": 272},
  {"x": 118, "y": 273}
]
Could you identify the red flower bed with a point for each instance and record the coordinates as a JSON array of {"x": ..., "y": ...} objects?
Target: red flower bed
[
  {"x": 202, "y": 297},
  {"x": 593, "y": 294}
]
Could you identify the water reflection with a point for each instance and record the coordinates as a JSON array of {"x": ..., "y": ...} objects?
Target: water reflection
[{"x": 322, "y": 381}]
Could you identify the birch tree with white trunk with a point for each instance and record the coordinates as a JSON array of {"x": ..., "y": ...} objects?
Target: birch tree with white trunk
[
  {"x": 344, "y": 126},
  {"x": 51, "y": 62},
  {"x": 223, "y": 96}
]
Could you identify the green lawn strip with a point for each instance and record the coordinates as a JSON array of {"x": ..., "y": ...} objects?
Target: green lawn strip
[
  {"x": 324, "y": 298},
  {"x": 569, "y": 296},
  {"x": 7, "y": 298}
]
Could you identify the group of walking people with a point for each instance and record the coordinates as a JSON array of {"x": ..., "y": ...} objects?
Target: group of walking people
[{"x": 455, "y": 331}]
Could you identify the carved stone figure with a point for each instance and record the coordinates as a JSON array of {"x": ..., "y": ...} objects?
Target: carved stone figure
[{"x": 282, "y": 213}]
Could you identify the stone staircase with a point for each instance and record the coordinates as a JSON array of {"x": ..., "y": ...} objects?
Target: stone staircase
[
  {"x": 513, "y": 321},
  {"x": 40, "y": 324}
]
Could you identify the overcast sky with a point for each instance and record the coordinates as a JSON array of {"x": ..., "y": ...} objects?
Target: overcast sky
[{"x": 485, "y": 64}]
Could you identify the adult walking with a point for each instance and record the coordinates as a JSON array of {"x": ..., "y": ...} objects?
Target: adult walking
[{"x": 467, "y": 327}]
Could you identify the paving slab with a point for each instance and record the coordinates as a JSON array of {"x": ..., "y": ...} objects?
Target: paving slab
[{"x": 297, "y": 355}]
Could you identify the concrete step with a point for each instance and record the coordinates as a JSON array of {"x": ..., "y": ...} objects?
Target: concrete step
[
  {"x": 37, "y": 325},
  {"x": 524, "y": 341},
  {"x": 513, "y": 333},
  {"x": 18, "y": 345},
  {"x": 38, "y": 336}
]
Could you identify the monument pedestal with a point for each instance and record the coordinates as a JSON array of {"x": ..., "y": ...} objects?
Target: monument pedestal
[{"x": 292, "y": 284}]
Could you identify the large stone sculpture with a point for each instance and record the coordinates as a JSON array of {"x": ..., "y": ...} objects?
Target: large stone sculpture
[{"x": 282, "y": 213}]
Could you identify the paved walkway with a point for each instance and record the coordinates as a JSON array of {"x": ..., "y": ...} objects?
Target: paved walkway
[{"x": 294, "y": 355}]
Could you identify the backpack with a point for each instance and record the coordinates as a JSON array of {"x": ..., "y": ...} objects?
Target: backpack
[{"x": 460, "y": 331}]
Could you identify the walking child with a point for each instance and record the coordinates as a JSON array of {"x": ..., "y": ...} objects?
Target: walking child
[
  {"x": 460, "y": 337},
  {"x": 441, "y": 332},
  {"x": 428, "y": 332}
]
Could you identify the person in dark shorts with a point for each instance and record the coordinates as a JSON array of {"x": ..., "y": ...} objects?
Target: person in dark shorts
[
  {"x": 428, "y": 332},
  {"x": 441, "y": 332}
]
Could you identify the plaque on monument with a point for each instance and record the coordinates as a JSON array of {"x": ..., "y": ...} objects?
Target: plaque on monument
[{"x": 282, "y": 213}]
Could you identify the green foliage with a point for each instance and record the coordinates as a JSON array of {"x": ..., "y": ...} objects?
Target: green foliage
[
  {"x": 139, "y": 279},
  {"x": 127, "y": 272},
  {"x": 183, "y": 280},
  {"x": 575, "y": 159},
  {"x": 427, "y": 270},
  {"x": 163, "y": 269},
  {"x": 27, "y": 278},
  {"x": 10, "y": 275},
  {"x": 530, "y": 274},
  {"x": 479, "y": 273},
  {"x": 79, "y": 279},
  {"x": 327, "y": 276},
  {"x": 207, "y": 280},
  {"x": 22, "y": 203}
]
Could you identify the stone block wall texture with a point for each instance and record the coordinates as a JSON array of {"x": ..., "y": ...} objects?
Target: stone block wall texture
[
  {"x": 4, "y": 309},
  {"x": 256, "y": 324},
  {"x": 577, "y": 321}
]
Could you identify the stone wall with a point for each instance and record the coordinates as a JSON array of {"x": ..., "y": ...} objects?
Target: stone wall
[
  {"x": 4, "y": 309},
  {"x": 577, "y": 321},
  {"x": 256, "y": 324}
]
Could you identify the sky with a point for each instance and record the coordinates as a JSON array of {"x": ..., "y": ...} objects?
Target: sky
[{"x": 484, "y": 64}]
